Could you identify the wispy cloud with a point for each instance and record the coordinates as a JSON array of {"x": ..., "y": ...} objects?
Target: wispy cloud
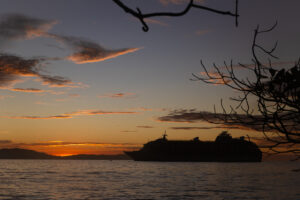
[
  {"x": 5, "y": 141},
  {"x": 35, "y": 90},
  {"x": 29, "y": 90},
  {"x": 18, "y": 26},
  {"x": 13, "y": 68},
  {"x": 98, "y": 112},
  {"x": 66, "y": 143},
  {"x": 57, "y": 147},
  {"x": 128, "y": 131},
  {"x": 86, "y": 51},
  {"x": 72, "y": 114},
  {"x": 117, "y": 95},
  {"x": 237, "y": 121},
  {"x": 41, "y": 117},
  {"x": 203, "y": 127},
  {"x": 145, "y": 126}
]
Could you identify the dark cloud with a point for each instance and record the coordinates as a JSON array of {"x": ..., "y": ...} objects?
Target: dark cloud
[
  {"x": 13, "y": 68},
  {"x": 238, "y": 121},
  {"x": 54, "y": 144},
  {"x": 118, "y": 95},
  {"x": 42, "y": 117},
  {"x": 30, "y": 90},
  {"x": 203, "y": 128},
  {"x": 72, "y": 114},
  {"x": 5, "y": 141},
  {"x": 55, "y": 81},
  {"x": 86, "y": 51},
  {"x": 128, "y": 131},
  {"x": 17, "y": 26},
  {"x": 144, "y": 126}
]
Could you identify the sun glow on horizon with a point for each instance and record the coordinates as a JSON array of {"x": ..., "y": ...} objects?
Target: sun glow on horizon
[{"x": 64, "y": 154}]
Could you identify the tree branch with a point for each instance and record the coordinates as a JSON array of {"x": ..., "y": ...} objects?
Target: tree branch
[{"x": 138, "y": 14}]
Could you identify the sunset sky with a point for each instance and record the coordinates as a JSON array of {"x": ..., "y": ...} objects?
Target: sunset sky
[{"x": 81, "y": 76}]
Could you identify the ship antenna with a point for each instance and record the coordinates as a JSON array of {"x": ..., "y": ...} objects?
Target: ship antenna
[{"x": 165, "y": 135}]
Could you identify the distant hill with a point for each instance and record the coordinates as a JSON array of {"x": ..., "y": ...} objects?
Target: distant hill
[{"x": 17, "y": 153}]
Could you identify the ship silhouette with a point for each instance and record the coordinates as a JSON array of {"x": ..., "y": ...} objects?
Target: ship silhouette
[{"x": 223, "y": 149}]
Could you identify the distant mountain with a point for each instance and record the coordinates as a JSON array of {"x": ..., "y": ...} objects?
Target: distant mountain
[{"x": 17, "y": 153}]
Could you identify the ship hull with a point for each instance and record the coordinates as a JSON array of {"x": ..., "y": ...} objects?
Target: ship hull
[{"x": 142, "y": 156}]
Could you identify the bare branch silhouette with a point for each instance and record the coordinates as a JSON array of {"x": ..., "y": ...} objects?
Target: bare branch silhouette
[
  {"x": 276, "y": 91},
  {"x": 139, "y": 15}
]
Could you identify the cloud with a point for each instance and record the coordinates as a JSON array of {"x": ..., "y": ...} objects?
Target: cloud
[
  {"x": 144, "y": 126},
  {"x": 56, "y": 81},
  {"x": 41, "y": 117},
  {"x": 90, "y": 55},
  {"x": 65, "y": 143},
  {"x": 35, "y": 90},
  {"x": 5, "y": 141},
  {"x": 203, "y": 128},
  {"x": 99, "y": 112},
  {"x": 117, "y": 95},
  {"x": 128, "y": 131},
  {"x": 30, "y": 90},
  {"x": 86, "y": 51},
  {"x": 13, "y": 68},
  {"x": 72, "y": 114},
  {"x": 59, "y": 147},
  {"x": 238, "y": 121},
  {"x": 17, "y": 26}
]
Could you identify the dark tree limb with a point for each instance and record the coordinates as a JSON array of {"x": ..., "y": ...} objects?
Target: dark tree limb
[
  {"x": 139, "y": 15},
  {"x": 277, "y": 93}
]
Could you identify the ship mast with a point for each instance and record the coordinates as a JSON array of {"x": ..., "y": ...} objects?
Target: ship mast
[{"x": 165, "y": 135}]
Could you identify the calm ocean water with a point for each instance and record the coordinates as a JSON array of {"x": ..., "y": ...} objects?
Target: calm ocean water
[{"x": 71, "y": 179}]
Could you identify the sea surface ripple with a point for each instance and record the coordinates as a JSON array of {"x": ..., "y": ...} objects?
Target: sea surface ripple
[{"x": 99, "y": 179}]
